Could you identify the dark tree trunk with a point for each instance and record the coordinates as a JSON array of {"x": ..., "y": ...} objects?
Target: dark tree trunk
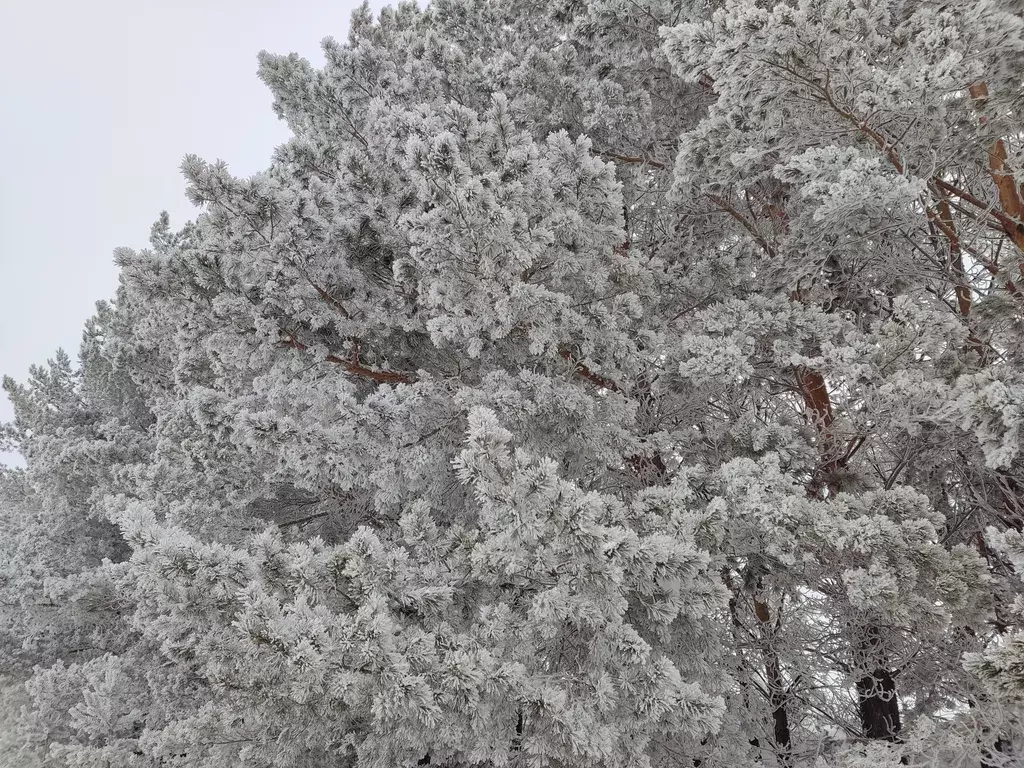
[
  {"x": 1002, "y": 753},
  {"x": 876, "y": 690},
  {"x": 778, "y": 693},
  {"x": 879, "y": 706},
  {"x": 780, "y": 720}
]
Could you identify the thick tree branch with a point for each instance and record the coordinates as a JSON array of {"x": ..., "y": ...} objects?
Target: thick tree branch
[
  {"x": 354, "y": 368},
  {"x": 961, "y": 287},
  {"x": 630, "y": 160},
  {"x": 594, "y": 378}
]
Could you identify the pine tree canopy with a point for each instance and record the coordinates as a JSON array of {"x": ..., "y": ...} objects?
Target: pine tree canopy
[{"x": 585, "y": 384}]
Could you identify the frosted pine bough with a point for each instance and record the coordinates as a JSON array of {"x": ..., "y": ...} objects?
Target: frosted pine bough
[{"x": 585, "y": 384}]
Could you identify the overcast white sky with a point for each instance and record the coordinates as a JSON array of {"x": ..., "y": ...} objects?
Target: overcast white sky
[{"x": 99, "y": 101}]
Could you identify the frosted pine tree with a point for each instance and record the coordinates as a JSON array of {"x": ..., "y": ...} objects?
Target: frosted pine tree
[
  {"x": 857, "y": 155},
  {"x": 584, "y": 384}
]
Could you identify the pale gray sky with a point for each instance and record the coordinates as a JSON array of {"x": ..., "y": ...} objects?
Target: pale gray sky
[{"x": 99, "y": 102}]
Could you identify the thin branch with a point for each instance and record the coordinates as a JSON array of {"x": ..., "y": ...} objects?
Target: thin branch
[
  {"x": 757, "y": 236},
  {"x": 630, "y": 160},
  {"x": 301, "y": 520}
]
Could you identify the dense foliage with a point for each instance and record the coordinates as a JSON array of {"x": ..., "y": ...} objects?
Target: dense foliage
[{"x": 586, "y": 383}]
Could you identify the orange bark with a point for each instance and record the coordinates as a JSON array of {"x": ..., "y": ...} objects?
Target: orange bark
[
  {"x": 1010, "y": 199},
  {"x": 355, "y": 368}
]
